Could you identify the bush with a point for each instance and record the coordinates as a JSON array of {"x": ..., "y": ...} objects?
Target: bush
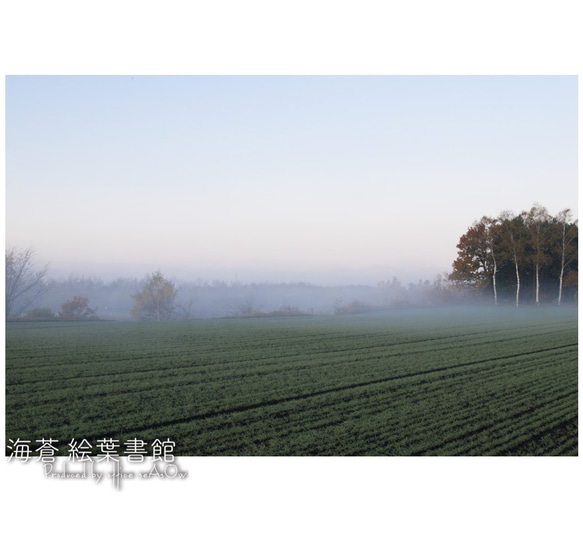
[
  {"x": 287, "y": 311},
  {"x": 40, "y": 314},
  {"x": 77, "y": 309},
  {"x": 356, "y": 306}
]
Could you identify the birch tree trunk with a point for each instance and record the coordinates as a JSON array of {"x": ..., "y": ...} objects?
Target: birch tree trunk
[
  {"x": 561, "y": 279},
  {"x": 567, "y": 238},
  {"x": 517, "y": 280},
  {"x": 537, "y": 286},
  {"x": 495, "y": 269}
]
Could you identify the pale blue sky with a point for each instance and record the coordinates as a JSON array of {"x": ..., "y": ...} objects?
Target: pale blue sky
[{"x": 347, "y": 179}]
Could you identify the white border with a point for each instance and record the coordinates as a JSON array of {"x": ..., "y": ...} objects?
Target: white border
[{"x": 302, "y": 37}]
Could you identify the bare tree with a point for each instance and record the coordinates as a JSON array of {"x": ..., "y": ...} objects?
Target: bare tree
[
  {"x": 183, "y": 310},
  {"x": 24, "y": 283},
  {"x": 245, "y": 307}
]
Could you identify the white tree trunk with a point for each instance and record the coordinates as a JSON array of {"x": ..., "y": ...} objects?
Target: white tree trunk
[
  {"x": 537, "y": 285},
  {"x": 517, "y": 281},
  {"x": 494, "y": 280},
  {"x": 561, "y": 280},
  {"x": 563, "y": 245}
]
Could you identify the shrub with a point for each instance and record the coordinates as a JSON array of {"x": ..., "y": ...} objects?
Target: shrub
[
  {"x": 77, "y": 309},
  {"x": 40, "y": 314},
  {"x": 356, "y": 306}
]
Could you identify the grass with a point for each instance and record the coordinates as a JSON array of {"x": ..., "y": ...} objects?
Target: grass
[{"x": 425, "y": 382}]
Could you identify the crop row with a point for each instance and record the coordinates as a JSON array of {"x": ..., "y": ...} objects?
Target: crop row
[
  {"x": 296, "y": 380},
  {"x": 167, "y": 368},
  {"x": 426, "y": 401},
  {"x": 395, "y": 418},
  {"x": 381, "y": 385}
]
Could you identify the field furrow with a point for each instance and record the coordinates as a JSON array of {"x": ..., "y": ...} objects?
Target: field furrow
[{"x": 485, "y": 382}]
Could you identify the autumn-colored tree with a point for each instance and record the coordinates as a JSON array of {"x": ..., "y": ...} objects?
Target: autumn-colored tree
[
  {"x": 77, "y": 309},
  {"x": 473, "y": 267},
  {"x": 155, "y": 302},
  {"x": 531, "y": 252}
]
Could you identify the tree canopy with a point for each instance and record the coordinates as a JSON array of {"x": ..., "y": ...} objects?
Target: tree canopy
[
  {"x": 155, "y": 302},
  {"x": 531, "y": 256}
]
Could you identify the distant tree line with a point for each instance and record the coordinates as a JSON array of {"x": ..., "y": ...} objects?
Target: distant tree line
[{"x": 529, "y": 257}]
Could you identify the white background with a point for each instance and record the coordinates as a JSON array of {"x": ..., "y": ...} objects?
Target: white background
[{"x": 299, "y": 494}]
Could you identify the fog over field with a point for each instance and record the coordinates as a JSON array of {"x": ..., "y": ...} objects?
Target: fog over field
[
  {"x": 324, "y": 180},
  {"x": 404, "y": 383}
]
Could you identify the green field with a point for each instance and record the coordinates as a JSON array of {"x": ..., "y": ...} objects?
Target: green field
[{"x": 425, "y": 382}]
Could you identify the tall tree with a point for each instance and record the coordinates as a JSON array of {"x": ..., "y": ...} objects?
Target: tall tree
[
  {"x": 537, "y": 223},
  {"x": 24, "y": 282},
  {"x": 491, "y": 239},
  {"x": 513, "y": 231},
  {"x": 475, "y": 265},
  {"x": 156, "y": 300},
  {"x": 568, "y": 237}
]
